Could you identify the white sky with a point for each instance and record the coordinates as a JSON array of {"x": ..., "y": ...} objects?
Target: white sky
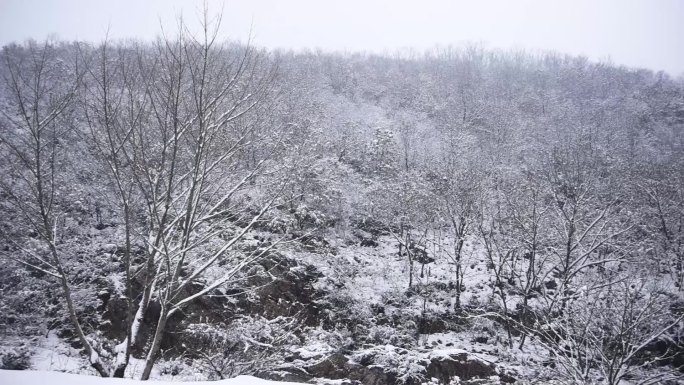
[{"x": 636, "y": 33}]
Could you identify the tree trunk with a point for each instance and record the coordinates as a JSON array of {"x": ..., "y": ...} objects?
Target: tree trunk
[
  {"x": 93, "y": 356},
  {"x": 156, "y": 343}
]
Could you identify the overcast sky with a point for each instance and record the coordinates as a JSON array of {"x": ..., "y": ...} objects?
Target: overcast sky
[{"x": 636, "y": 33}]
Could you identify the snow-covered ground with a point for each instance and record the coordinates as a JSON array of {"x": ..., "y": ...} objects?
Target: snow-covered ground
[
  {"x": 364, "y": 278},
  {"x": 31, "y": 377}
]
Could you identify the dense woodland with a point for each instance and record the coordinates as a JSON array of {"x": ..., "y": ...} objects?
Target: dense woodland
[{"x": 188, "y": 207}]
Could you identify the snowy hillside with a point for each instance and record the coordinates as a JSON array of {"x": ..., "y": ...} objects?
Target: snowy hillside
[{"x": 191, "y": 210}]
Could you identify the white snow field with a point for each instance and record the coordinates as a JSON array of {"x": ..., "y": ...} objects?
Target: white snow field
[{"x": 40, "y": 377}]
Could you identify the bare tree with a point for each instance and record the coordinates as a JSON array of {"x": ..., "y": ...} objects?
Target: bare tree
[
  {"x": 193, "y": 157},
  {"x": 41, "y": 88},
  {"x": 526, "y": 206},
  {"x": 404, "y": 209},
  {"x": 664, "y": 198},
  {"x": 458, "y": 189},
  {"x": 606, "y": 331},
  {"x": 208, "y": 106},
  {"x": 585, "y": 216},
  {"x": 502, "y": 256},
  {"x": 114, "y": 105}
]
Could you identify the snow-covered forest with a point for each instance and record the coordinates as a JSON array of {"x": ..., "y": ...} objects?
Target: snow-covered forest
[{"x": 191, "y": 209}]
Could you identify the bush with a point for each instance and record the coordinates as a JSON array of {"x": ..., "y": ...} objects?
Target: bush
[
  {"x": 405, "y": 365},
  {"x": 246, "y": 345},
  {"x": 15, "y": 358}
]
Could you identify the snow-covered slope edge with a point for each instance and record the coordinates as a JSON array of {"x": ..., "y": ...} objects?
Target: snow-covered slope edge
[{"x": 34, "y": 377}]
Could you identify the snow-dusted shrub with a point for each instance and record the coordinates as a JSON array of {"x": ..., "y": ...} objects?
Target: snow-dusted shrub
[
  {"x": 406, "y": 365},
  {"x": 385, "y": 334},
  {"x": 247, "y": 345},
  {"x": 24, "y": 301},
  {"x": 15, "y": 358},
  {"x": 341, "y": 308},
  {"x": 306, "y": 217},
  {"x": 606, "y": 332},
  {"x": 485, "y": 330},
  {"x": 340, "y": 339},
  {"x": 172, "y": 368}
]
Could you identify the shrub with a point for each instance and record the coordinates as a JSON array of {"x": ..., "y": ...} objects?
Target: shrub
[{"x": 15, "y": 358}]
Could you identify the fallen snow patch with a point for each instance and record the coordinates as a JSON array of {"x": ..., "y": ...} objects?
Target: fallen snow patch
[{"x": 33, "y": 377}]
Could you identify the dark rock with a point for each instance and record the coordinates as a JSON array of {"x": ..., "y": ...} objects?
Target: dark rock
[
  {"x": 369, "y": 243},
  {"x": 481, "y": 339},
  {"x": 104, "y": 296},
  {"x": 371, "y": 226},
  {"x": 458, "y": 365},
  {"x": 338, "y": 367},
  {"x": 114, "y": 316},
  {"x": 371, "y": 375},
  {"x": 551, "y": 285},
  {"x": 288, "y": 375},
  {"x": 432, "y": 326},
  {"x": 666, "y": 350},
  {"x": 420, "y": 254},
  {"x": 507, "y": 378},
  {"x": 333, "y": 367}
]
